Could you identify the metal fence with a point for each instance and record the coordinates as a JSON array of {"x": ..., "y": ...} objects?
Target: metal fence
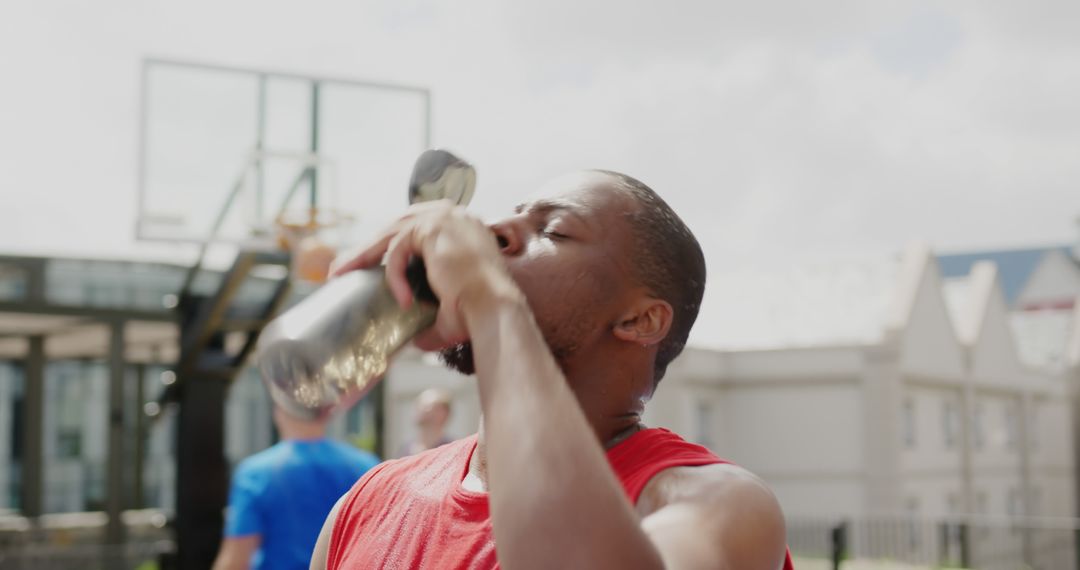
[
  {"x": 77, "y": 540},
  {"x": 129, "y": 556},
  {"x": 990, "y": 543}
]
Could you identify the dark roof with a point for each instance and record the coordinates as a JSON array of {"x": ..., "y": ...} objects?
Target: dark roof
[{"x": 1015, "y": 266}]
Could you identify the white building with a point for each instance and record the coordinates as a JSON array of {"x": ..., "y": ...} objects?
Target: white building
[
  {"x": 876, "y": 389},
  {"x": 869, "y": 389}
]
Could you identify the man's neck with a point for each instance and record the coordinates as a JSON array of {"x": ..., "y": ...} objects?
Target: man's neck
[
  {"x": 617, "y": 431},
  {"x": 611, "y": 399}
]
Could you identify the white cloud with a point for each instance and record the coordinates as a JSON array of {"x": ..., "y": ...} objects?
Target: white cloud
[{"x": 778, "y": 129}]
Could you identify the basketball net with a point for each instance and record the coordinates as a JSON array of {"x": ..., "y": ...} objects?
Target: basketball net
[{"x": 303, "y": 234}]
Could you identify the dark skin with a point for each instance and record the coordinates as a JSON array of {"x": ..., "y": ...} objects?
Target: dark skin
[
  {"x": 565, "y": 341},
  {"x": 558, "y": 249},
  {"x": 566, "y": 255}
]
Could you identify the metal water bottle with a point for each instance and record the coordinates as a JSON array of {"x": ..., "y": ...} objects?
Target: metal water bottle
[{"x": 330, "y": 349}]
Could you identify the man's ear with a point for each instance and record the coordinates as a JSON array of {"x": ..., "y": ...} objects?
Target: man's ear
[{"x": 647, "y": 322}]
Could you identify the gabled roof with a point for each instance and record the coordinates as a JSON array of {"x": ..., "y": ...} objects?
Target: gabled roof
[
  {"x": 968, "y": 299},
  {"x": 1015, "y": 266},
  {"x": 957, "y": 292}
]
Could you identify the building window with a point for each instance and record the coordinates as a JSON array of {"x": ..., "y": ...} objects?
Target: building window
[
  {"x": 1012, "y": 425},
  {"x": 1015, "y": 508},
  {"x": 1016, "y": 503},
  {"x": 952, "y": 503},
  {"x": 72, "y": 395},
  {"x": 1032, "y": 426},
  {"x": 909, "y": 423},
  {"x": 977, "y": 427},
  {"x": 949, "y": 423},
  {"x": 12, "y": 283}
]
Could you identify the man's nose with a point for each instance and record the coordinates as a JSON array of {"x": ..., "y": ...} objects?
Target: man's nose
[{"x": 509, "y": 236}]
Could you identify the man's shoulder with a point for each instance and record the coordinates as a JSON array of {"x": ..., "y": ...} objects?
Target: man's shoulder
[
  {"x": 643, "y": 456},
  {"x": 733, "y": 510},
  {"x": 709, "y": 474},
  {"x": 686, "y": 482},
  {"x": 673, "y": 458},
  {"x": 652, "y": 450}
]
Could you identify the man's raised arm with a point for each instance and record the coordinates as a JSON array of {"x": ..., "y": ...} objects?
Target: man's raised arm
[{"x": 555, "y": 502}]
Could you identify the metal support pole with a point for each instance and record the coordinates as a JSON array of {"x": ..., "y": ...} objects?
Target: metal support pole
[
  {"x": 33, "y": 467},
  {"x": 202, "y": 479},
  {"x": 1076, "y": 546},
  {"x": 33, "y": 416},
  {"x": 315, "y": 143},
  {"x": 839, "y": 544},
  {"x": 138, "y": 498},
  {"x": 379, "y": 395},
  {"x": 965, "y": 544},
  {"x": 260, "y": 135},
  {"x": 943, "y": 543},
  {"x": 427, "y": 120},
  {"x": 1023, "y": 412},
  {"x": 114, "y": 498}
]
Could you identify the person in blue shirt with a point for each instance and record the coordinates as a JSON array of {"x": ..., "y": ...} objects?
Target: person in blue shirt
[{"x": 280, "y": 496}]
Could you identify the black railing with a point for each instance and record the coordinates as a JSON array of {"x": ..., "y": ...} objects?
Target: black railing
[
  {"x": 991, "y": 543},
  {"x": 77, "y": 540}
]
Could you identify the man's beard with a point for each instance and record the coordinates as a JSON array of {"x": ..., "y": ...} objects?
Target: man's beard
[{"x": 460, "y": 357}]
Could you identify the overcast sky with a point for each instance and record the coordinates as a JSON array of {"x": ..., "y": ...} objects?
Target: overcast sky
[{"x": 779, "y": 130}]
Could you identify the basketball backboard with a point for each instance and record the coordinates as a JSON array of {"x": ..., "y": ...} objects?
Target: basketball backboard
[{"x": 224, "y": 151}]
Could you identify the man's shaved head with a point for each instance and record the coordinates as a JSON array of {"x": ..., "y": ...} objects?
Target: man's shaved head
[
  {"x": 583, "y": 249},
  {"x": 667, "y": 260}
]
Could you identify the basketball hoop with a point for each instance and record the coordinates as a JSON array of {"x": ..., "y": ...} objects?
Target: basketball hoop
[{"x": 303, "y": 234}]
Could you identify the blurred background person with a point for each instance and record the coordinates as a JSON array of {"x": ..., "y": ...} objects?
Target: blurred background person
[
  {"x": 432, "y": 415},
  {"x": 280, "y": 497}
]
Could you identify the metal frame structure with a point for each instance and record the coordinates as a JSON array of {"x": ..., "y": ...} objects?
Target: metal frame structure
[
  {"x": 203, "y": 372},
  {"x": 259, "y": 152},
  {"x": 36, "y": 303},
  {"x": 205, "y": 368}
]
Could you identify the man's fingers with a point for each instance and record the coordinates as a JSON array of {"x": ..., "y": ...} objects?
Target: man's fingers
[
  {"x": 421, "y": 228},
  {"x": 397, "y": 258},
  {"x": 341, "y": 260},
  {"x": 370, "y": 256}
]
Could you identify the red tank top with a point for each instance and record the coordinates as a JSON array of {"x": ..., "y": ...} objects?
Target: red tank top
[{"x": 413, "y": 513}]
